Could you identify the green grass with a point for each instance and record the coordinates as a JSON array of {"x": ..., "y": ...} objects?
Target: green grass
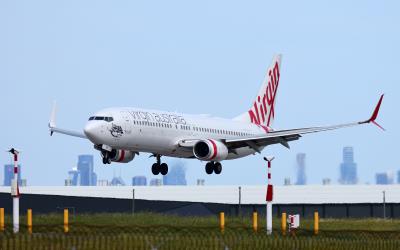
[{"x": 147, "y": 230}]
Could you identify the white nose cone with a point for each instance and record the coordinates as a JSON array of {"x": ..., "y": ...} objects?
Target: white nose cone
[{"x": 91, "y": 130}]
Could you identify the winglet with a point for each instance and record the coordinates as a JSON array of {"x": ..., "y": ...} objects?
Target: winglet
[
  {"x": 52, "y": 122},
  {"x": 375, "y": 114}
]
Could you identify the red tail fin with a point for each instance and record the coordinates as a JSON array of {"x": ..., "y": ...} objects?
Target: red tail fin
[{"x": 262, "y": 111}]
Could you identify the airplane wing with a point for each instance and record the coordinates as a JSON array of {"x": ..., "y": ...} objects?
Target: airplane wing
[
  {"x": 53, "y": 128},
  {"x": 283, "y": 136}
]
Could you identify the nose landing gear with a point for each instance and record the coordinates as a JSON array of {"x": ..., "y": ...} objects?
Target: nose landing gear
[
  {"x": 159, "y": 167},
  {"x": 215, "y": 167}
]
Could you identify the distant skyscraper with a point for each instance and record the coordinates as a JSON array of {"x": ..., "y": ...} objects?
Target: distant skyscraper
[
  {"x": 384, "y": 178},
  {"x": 117, "y": 181},
  {"x": 287, "y": 182},
  {"x": 73, "y": 177},
  {"x": 301, "y": 169},
  {"x": 155, "y": 182},
  {"x": 176, "y": 175},
  {"x": 103, "y": 183},
  {"x": 86, "y": 170},
  {"x": 23, "y": 183},
  {"x": 348, "y": 168},
  {"x": 9, "y": 174},
  {"x": 139, "y": 181},
  {"x": 398, "y": 177},
  {"x": 326, "y": 181},
  {"x": 200, "y": 182}
]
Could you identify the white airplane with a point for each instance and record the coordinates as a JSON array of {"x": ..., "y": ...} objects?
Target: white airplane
[{"x": 121, "y": 133}]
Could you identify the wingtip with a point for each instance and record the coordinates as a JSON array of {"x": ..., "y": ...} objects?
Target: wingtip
[
  {"x": 375, "y": 114},
  {"x": 376, "y": 110},
  {"x": 52, "y": 121}
]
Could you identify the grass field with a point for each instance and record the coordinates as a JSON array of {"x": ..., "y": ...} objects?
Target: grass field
[{"x": 154, "y": 231}]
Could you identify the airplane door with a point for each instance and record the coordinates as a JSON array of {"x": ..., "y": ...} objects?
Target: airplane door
[{"x": 126, "y": 122}]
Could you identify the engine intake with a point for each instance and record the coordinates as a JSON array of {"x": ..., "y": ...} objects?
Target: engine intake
[
  {"x": 121, "y": 155},
  {"x": 210, "y": 150}
]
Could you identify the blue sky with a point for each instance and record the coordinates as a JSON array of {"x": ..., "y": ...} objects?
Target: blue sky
[{"x": 200, "y": 57}]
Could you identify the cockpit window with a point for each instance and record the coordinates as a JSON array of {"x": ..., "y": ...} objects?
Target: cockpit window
[{"x": 101, "y": 118}]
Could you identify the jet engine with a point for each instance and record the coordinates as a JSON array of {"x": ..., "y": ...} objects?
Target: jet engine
[
  {"x": 120, "y": 155},
  {"x": 210, "y": 150}
]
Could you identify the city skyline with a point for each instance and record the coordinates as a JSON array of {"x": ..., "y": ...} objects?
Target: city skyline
[
  {"x": 177, "y": 175},
  {"x": 209, "y": 58}
]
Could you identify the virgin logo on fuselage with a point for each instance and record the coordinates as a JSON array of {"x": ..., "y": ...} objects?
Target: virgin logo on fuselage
[{"x": 264, "y": 105}]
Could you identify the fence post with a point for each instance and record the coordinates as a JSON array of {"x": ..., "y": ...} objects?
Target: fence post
[
  {"x": 240, "y": 201},
  {"x": 316, "y": 223},
  {"x": 384, "y": 205},
  {"x": 66, "y": 227},
  {"x": 29, "y": 220},
  {"x": 222, "y": 221},
  {"x": 283, "y": 223},
  {"x": 2, "y": 219},
  {"x": 133, "y": 201},
  {"x": 255, "y": 221}
]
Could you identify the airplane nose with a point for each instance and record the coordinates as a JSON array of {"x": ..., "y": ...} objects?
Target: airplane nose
[{"x": 91, "y": 130}]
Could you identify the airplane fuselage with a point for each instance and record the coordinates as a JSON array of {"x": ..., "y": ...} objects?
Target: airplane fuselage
[{"x": 159, "y": 132}]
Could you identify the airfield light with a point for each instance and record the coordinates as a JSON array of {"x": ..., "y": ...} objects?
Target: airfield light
[
  {"x": 2, "y": 219},
  {"x": 66, "y": 220},
  {"x": 222, "y": 221},
  {"x": 255, "y": 222},
  {"x": 269, "y": 197},
  {"x": 29, "y": 220},
  {"x": 316, "y": 223},
  {"x": 283, "y": 223}
]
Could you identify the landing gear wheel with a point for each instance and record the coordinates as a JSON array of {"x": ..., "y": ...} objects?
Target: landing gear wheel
[
  {"x": 164, "y": 168},
  {"x": 217, "y": 168},
  {"x": 155, "y": 169},
  {"x": 209, "y": 168},
  {"x": 106, "y": 158}
]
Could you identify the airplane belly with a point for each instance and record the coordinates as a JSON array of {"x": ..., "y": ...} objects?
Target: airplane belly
[
  {"x": 147, "y": 140},
  {"x": 241, "y": 152}
]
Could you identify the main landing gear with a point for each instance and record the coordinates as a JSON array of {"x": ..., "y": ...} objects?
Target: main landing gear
[
  {"x": 215, "y": 167},
  {"x": 159, "y": 167},
  {"x": 106, "y": 157}
]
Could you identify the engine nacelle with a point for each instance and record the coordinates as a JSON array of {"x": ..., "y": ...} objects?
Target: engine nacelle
[
  {"x": 210, "y": 150},
  {"x": 121, "y": 155}
]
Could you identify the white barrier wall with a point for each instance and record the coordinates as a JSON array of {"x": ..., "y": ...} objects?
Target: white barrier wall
[{"x": 230, "y": 194}]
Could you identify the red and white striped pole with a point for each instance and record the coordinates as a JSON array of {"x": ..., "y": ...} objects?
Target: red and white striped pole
[
  {"x": 269, "y": 197},
  {"x": 15, "y": 192}
]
